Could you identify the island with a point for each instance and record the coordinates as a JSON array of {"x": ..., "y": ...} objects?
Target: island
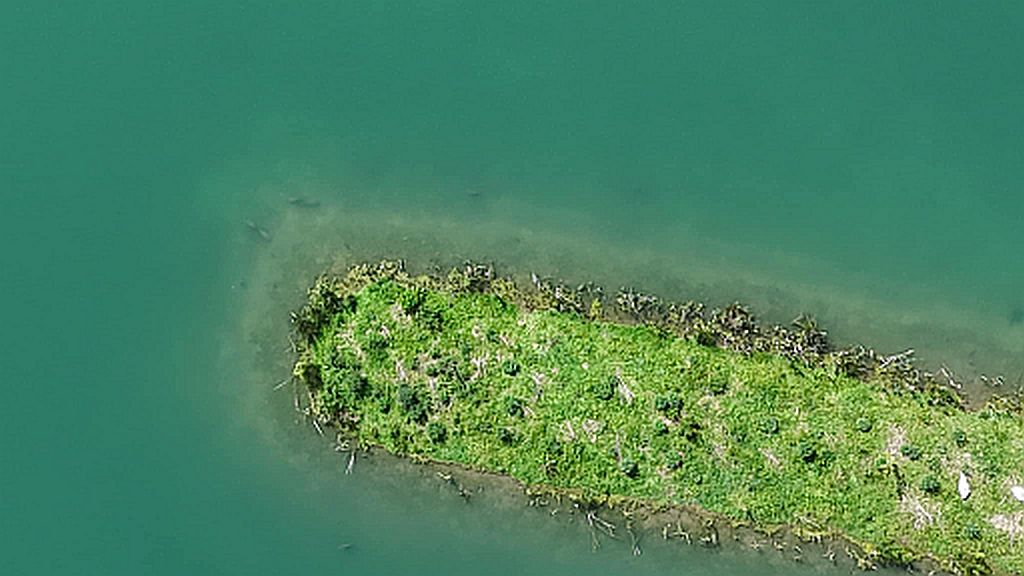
[{"x": 629, "y": 399}]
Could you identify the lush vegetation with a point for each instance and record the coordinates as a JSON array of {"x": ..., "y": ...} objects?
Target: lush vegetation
[{"x": 543, "y": 385}]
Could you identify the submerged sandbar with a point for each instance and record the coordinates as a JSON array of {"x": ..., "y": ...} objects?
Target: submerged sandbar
[{"x": 635, "y": 400}]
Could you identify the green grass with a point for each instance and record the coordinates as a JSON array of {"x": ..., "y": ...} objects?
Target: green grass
[{"x": 486, "y": 375}]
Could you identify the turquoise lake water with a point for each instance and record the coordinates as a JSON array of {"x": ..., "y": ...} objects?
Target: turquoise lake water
[{"x": 859, "y": 162}]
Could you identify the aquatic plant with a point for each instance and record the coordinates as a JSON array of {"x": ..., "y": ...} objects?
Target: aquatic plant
[{"x": 662, "y": 404}]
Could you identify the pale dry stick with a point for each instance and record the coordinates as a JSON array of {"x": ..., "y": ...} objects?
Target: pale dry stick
[
  {"x": 902, "y": 356},
  {"x": 710, "y": 538},
  {"x": 535, "y": 280},
  {"x": 682, "y": 534},
  {"x": 351, "y": 462},
  {"x": 258, "y": 230},
  {"x": 340, "y": 444},
  {"x": 595, "y": 544},
  {"x": 635, "y": 542},
  {"x": 948, "y": 375},
  {"x": 605, "y": 526},
  {"x": 622, "y": 388},
  {"x": 570, "y": 430}
]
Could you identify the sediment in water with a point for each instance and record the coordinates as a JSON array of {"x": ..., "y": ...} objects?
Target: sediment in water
[{"x": 639, "y": 403}]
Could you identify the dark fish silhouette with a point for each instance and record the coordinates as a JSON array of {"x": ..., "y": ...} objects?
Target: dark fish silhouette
[
  {"x": 258, "y": 230},
  {"x": 1017, "y": 316},
  {"x": 304, "y": 202}
]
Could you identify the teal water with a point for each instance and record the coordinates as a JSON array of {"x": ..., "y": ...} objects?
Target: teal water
[{"x": 858, "y": 162}]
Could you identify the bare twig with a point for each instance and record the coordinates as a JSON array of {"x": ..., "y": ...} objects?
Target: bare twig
[{"x": 634, "y": 541}]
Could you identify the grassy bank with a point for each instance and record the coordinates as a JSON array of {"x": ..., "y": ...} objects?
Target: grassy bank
[{"x": 630, "y": 398}]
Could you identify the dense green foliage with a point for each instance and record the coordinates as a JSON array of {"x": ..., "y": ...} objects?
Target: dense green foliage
[{"x": 456, "y": 372}]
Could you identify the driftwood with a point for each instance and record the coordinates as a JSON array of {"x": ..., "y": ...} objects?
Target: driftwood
[{"x": 351, "y": 461}]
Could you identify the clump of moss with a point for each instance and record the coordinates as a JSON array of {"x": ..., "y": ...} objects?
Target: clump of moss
[
  {"x": 911, "y": 452},
  {"x": 412, "y": 403},
  {"x": 629, "y": 467},
  {"x": 604, "y": 389},
  {"x": 510, "y": 367},
  {"x": 507, "y": 436},
  {"x": 514, "y": 407},
  {"x": 808, "y": 451},
  {"x": 960, "y": 438},
  {"x": 437, "y": 432},
  {"x": 718, "y": 386},
  {"x": 770, "y": 425},
  {"x": 668, "y": 404}
]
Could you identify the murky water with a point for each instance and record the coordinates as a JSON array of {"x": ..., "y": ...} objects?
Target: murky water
[{"x": 860, "y": 163}]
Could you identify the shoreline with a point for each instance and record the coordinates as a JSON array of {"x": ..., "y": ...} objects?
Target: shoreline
[
  {"x": 368, "y": 276},
  {"x": 634, "y": 527},
  {"x": 975, "y": 348},
  {"x": 633, "y": 524}
]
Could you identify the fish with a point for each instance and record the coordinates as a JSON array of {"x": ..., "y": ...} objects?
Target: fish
[
  {"x": 963, "y": 487},
  {"x": 304, "y": 202},
  {"x": 1016, "y": 317},
  {"x": 258, "y": 230}
]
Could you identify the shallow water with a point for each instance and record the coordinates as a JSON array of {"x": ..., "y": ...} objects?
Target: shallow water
[{"x": 860, "y": 163}]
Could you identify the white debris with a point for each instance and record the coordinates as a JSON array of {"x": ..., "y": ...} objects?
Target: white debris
[
  {"x": 570, "y": 433},
  {"x": 591, "y": 428},
  {"x": 924, "y": 515},
  {"x": 964, "y": 487},
  {"x": 1012, "y": 524},
  {"x": 1018, "y": 492},
  {"x": 622, "y": 389}
]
